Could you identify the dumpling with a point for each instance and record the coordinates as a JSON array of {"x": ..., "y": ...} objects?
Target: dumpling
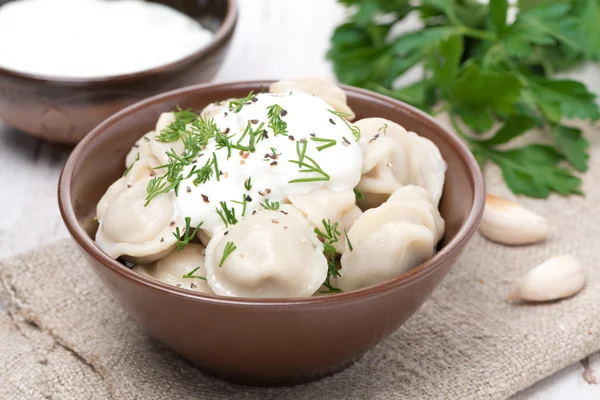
[
  {"x": 393, "y": 157},
  {"x": 390, "y": 240},
  {"x": 172, "y": 269},
  {"x": 130, "y": 230},
  {"x": 319, "y": 86},
  {"x": 325, "y": 204},
  {"x": 418, "y": 195},
  {"x": 266, "y": 255}
]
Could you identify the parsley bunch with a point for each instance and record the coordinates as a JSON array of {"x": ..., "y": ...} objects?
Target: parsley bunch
[{"x": 487, "y": 74}]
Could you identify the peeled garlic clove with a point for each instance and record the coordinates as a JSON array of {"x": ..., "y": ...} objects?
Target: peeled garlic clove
[
  {"x": 557, "y": 278},
  {"x": 507, "y": 222}
]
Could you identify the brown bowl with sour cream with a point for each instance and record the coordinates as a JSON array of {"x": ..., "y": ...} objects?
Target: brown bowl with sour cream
[
  {"x": 64, "y": 110},
  {"x": 265, "y": 341}
]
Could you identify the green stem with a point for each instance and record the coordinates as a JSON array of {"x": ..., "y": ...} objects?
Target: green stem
[{"x": 476, "y": 33}]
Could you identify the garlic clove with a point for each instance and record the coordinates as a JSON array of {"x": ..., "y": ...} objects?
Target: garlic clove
[
  {"x": 507, "y": 222},
  {"x": 556, "y": 278}
]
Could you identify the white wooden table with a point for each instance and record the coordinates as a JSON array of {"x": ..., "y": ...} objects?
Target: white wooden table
[{"x": 274, "y": 39}]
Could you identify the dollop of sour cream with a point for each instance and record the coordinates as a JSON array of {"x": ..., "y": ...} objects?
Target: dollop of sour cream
[
  {"x": 94, "y": 38},
  {"x": 272, "y": 170}
]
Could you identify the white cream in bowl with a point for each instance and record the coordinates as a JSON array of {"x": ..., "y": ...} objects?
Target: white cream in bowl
[{"x": 94, "y": 38}]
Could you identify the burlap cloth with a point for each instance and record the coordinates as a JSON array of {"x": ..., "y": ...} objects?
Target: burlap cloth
[{"x": 62, "y": 336}]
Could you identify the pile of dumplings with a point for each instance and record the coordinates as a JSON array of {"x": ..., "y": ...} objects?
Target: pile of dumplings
[{"x": 388, "y": 222}]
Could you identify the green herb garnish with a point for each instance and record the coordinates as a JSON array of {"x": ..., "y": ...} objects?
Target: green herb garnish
[
  {"x": 194, "y": 138},
  {"x": 190, "y": 275},
  {"x": 329, "y": 237},
  {"x": 226, "y": 214},
  {"x": 222, "y": 141},
  {"x": 184, "y": 238},
  {"x": 248, "y": 184},
  {"x": 177, "y": 129},
  {"x": 237, "y": 104},
  {"x": 216, "y": 165},
  {"x": 268, "y": 205},
  {"x": 204, "y": 174},
  {"x": 327, "y": 142},
  {"x": 355, "y": 129},
  {"x": 243, "y": 203},
  {"x": 484, "y": 72},
  {"x": 137, "y": 158},
  {"x": 229, "y": 248},
  {"x": 276, "y": 123},
  {"x": 358, "y": 194},
  {"x": 310, "y": 166},
  {"x": 348, "y": 240}
]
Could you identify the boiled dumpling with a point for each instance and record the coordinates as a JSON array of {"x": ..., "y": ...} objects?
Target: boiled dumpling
[
  {"x": 140, "y": 152},
  {"x": 324, "y": 204},
  {"x": 172, "y": 269},
  {"x": 268, "y": 254},
  {"x": 393, "y": 157},
  {"x": 129, "y": 229},
  {"x": 390, "y": 240},
  {"x": 322, "y": 87},
  {"x": 418, "y": 195}
]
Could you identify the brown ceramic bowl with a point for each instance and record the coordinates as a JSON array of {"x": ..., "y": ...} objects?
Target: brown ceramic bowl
[
  {"x": 256, "y": 341},
  {"x": 65, "y": 110}
]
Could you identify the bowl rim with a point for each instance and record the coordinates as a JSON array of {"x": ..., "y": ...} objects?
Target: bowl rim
[
  {"x": 225, "y": 31},
  {"x": 449, "y": 251}
]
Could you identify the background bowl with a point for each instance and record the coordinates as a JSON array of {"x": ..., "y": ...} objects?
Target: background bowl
[
  {"x": 256, "y": 341},
  {"x": 65, "y": 110}
]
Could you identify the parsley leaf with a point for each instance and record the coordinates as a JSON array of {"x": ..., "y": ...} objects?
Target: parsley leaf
[
  {"x": 572, "y": 145},
  {"x": 485, "y": 72},
  {"x": 558, "y": 98}
]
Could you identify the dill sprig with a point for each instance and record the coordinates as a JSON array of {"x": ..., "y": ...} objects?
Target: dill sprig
[
  {"x": 384, "y": 129},
  {"x": 255, "y": 136},
  {"x": 204, "y": 174},
  {"x": 177, "y": 129},
  {"x": 276, "y": 123},
  {"x": 348, "y": 240},
  {"x": 243, "y": 203},
  {"x": 329, "y": 237},
  {"x": 137, "y": 158},
  {"x": 310, "y": 166},
  {"x": 248, "y": 184},
  {"x": 268, "y": 205},
  {"x": 355, "y": 129},
  {"x": 170, "y": 180},
  {"x": 327, "y": 142},
  {"x": 229, "y": 248},
  {"x": 222, "y": 141},
  {"x": 358, "y": 194},
  {"x": 216, "y": 164},
  {"x": 184, "y": 238},
  {"x": 237, "y": 104},
  {"x": 200, "y": 132},
  {"x": 226, "y": 214},
  {"x": 190, "y": 275}
]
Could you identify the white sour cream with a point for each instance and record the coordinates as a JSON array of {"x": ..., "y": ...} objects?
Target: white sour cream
[
  {"x": 94, "y": 38},
  {"x": 305, "y": 115}
]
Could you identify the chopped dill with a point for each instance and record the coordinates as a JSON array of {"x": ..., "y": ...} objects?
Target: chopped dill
[
  {"x": 355, "y": 129},
  {"x": 190, "y": 275},
  {"x": 137, "y": 158},
  {"x": 229, "y": 248},
  {"x": 184, "y": 238}
]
